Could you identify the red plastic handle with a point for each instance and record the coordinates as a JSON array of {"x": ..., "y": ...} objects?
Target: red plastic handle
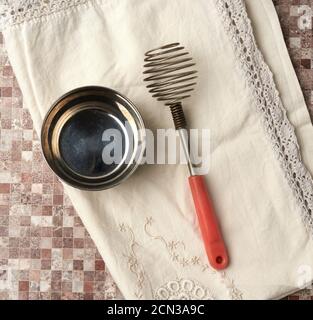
[{"x": 211, "y": 234}]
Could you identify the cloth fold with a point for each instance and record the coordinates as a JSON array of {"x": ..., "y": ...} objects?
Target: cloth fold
[{"x": 260, "y": 175}]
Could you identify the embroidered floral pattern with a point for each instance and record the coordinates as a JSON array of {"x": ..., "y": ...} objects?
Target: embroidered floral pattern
[
  {"x": 182, "y": 289},
  {"x": 176, "y": 250},
  {"x": 174, "y": 289},
  {"x": 133, "y": 264},
  {"x": 174, "y": 247},
  {"x": 275, "y": 121}
]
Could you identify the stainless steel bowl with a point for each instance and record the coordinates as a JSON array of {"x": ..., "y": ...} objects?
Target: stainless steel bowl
[{"x": 73, "y": 143}]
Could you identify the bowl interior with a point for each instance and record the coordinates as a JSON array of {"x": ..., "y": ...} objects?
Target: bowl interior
[{"x": 86, "y": 149}]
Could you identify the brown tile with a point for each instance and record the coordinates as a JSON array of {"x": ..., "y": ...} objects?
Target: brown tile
[
  {"x": 67, "y": 242},
  {"x": 66, "y": 286},
  {"x": 56, "y": 296},
  {"x": 4, "y": 210},
  {"x": 67, "y": 253},
  {"x": 57, "y": 221},
  {"x": 4, "y": 232},
  {"x": 24, "y": 253},
  {"x": 58, "y": 199},
  {"x": 57, "y": 243},
  {"x": 34, "y": 275},
  {"x": 88, "y": 296},
  {"x": 14, "y": 242},
  {"x": 89, "y": 276},
  {"x": 46, "y": 253},
  {"x": 68, "y": 232},
  {"x": 7, "y": 71},
  {"x": 23, "y": 295},
  {"x": 5, "y": 188},
  {"x": 78, "y": 264},
  {"x": 99, "y": 265},
  {"x": 100, "y": 276},
  {"x": 56, "y": 275},
  {"x": 45, "y": 264},
  {"x": 23, "y": 285},
  {"x": 56, "y": 286},
  {"x": 47, "y": 210},
  {"x": 79, "y": 243},
  {"x": 46, "y": 232},
  {"x": 25, "y": 221},
  {"x": 88, "y": 286},
  {"x": 6, "y": 92},
  {"x": 13, "y": 253}
]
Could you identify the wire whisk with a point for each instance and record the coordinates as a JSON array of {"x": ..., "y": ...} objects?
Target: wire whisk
[{"x": 171, "y": 80}]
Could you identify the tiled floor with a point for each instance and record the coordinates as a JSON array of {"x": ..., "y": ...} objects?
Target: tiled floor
[
  {"x": 296, "y": 18},
  {"x": 45, "y": 252}
]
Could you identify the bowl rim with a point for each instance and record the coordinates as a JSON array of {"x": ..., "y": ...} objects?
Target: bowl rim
[{"x": 140, "y": 144}]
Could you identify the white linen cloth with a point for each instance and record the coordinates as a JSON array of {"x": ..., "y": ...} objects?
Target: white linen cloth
[{"x": 146, "y": 229}]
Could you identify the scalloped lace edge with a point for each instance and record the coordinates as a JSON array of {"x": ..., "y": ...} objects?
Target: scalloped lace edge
[
  {"x": 277, "y": 126},
  {"x": 15, "y": 12}
]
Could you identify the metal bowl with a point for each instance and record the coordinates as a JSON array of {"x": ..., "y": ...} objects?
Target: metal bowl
[{"x": 78, "y": 140}]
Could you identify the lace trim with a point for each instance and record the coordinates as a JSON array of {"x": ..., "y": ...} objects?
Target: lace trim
[
  {"x": 276, "y": 123},
  {"x": 14, "y": 12},
  {"x": 182, "y": 289}
]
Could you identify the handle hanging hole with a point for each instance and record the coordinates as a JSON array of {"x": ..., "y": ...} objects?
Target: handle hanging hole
[{"x": 219, "y": 260}]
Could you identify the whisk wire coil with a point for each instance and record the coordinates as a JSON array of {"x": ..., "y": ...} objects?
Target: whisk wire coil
[{"x": 170, "y": 73}]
